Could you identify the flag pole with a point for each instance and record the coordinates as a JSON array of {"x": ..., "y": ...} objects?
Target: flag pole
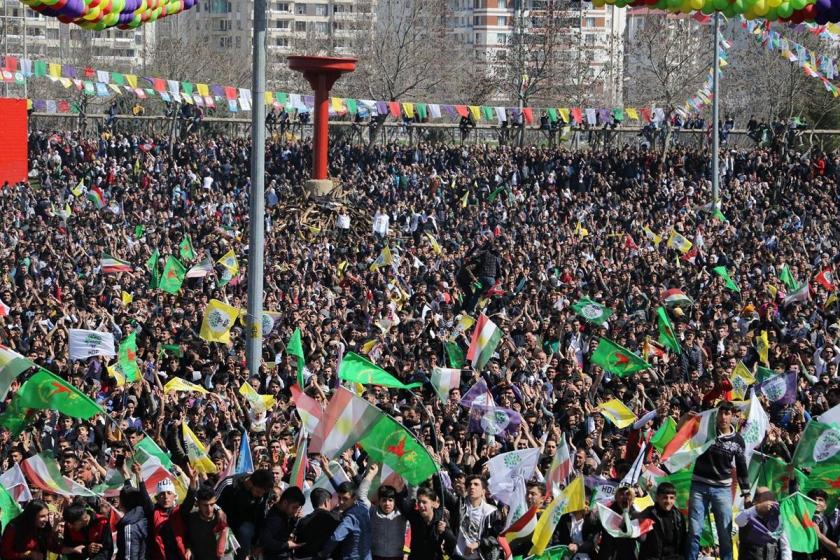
[
  {"x": 256, "y": 214},
  {"x": 433, "y": 432},
  {"x": 716, "y": 117}
]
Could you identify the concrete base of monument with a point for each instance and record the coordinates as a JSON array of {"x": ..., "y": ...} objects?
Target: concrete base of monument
[{"x": 318, "y": 187}]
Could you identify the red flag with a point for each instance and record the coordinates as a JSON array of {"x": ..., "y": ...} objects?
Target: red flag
[
  {"x": 645, "y": 114},
  {"x": 629, "y": 243},
  {"x": 394, "y": 109},
  {"x": 826, "y": 279},
  {"x": 691, "y": 256},
  {"x": 528, "y": 114},
  {"x": 462, "y": 111}
]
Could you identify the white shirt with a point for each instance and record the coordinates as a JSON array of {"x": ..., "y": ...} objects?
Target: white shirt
[{"x": 343, "y": 222}]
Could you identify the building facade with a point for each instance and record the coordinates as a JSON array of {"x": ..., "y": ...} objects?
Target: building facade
[{"x": 593, "y": 36}]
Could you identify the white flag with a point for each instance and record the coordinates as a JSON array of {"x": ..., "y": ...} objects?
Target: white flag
[
  {"x": 15, "y": 483},
  {"x": 755, "y": 427},
  {"x": 85, "y": 344},
  {"x": 506, "y": 468}
]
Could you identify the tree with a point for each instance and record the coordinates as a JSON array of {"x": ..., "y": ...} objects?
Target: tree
[{"x": 668, "y": 59}]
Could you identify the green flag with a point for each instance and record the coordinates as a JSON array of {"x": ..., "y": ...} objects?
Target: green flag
[
  {"x": 592, "y": 311},
  {"x": 148, "y": 447},
  {"x": 295, "y": 348},
  {"x": 787, "y": 279},
  {"x": 128, "y": 358},
  {"x": 818, "y": 446},
  {"x": 723, "y": 273},
  {"x": 664, "y": 434},
  {"x": 666, "y": 331},
  {"x": 775, "y": 474},
  {"x": 187, "y": 251},
  {"x": 762, "y": 373},
  {"x": 173, "y": 276},
  {"x": 152, "y": 266},
  {"x": 496, "y": 193},
  {"x": 558, "y": 552},
  {"x": 387, "y": 441},
  {"x": 356, "y": 369},
  {"x": 10, "y": 372},
  {"x": 455, "y": 354},
  {"x": 138, "y": 231},
  {"x": 9, "y": 508},
  {"x": 47, "y": 391},
  {"x": 797, "y": 513},
  {"x": 718, "y": 215},
  {"x": 617, "y": 359},
  {"x": 174, "y": 349}
]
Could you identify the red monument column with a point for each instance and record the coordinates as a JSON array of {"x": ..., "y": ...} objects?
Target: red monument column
[{"x": 321, "y": 72}]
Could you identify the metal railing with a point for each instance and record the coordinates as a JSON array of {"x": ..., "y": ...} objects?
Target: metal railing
[{"x": 413, "y": 133}]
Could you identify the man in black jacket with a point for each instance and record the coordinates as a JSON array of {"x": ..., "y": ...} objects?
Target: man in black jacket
[
  {"x": 313, "y": 531},
  {"x": 243, "y": 499},
  {"x": 276, "y": 539},
  {"x": 666, "y": 541},
  {"x": 711, "y": 484}
]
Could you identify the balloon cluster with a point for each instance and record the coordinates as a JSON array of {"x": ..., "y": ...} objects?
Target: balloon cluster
[
  {"x": 795, "y": 11},
  {"x": 102, "y": 14}
]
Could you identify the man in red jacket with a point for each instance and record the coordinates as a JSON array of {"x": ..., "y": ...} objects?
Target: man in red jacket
[{"x": 167, "y": 530}]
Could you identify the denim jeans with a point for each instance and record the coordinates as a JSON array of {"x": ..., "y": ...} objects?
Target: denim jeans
[
  {"x": 720, "y": 499},
  {"x": 245, "y": 534}
]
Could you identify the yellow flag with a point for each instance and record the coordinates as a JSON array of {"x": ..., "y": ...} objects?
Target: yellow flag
[
  {"x": 632, "y": 113},
  {"x": 368, "y": 346},
  {"x": 435, "y": 245},
  {"x": 260, "y": 403},
  {"x": 762, "y": 345},
  {"x": 67, "y": 210},
  {"x": 177, "y": 384},
  {"x": 196, "y": 452},
  {"x": 385, "y": 258},
  {"x": 741, "y": 379},
  {"x": 475, "y": 112},
  {"x": 465, "y": 199},
  {"x": 641, "y": 504},
  {"x": 55, "y": 70},
  {"x": 564, "y": 114},
  {"x": 408, "y": 109},
  {"x": 114, "y": 371},
  {"x": 570, "y": 499},
  {"x": 617, "y": 412},
  {"x": 337, "y": 104},
  {"x": 678, "y": 242},
  {"x": 342, "y": 267},
  {"x": 229, "y": 261},
  {"x": 831, "y": 300},
  {"x": 219, "y": 318},
  {"x": 465, "y": 322},
  {"x": 126, "y": 298},
  {"x": 654, "y": 237},
  {"x": 79, "y": 188},
  {"x": 132, "y": 80},
  {"x": 771, "y": 289},
  {"x": 202, "y": 89},
  {"x": 581, "y": 231}
]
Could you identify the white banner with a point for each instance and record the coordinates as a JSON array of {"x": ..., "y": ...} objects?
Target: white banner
[{"x": 85, "y": 344}]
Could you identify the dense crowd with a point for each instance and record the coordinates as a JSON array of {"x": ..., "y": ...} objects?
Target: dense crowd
[{"x": 523, "y": 234}]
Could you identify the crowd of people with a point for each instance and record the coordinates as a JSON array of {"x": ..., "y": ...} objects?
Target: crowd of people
[{"x": 516, "y": 234}]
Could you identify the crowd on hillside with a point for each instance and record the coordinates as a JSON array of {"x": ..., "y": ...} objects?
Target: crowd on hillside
[{"x": 516, "y": 234}]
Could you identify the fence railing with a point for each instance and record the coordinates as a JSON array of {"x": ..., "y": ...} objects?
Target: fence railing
[{"x": 414, "y": 133}]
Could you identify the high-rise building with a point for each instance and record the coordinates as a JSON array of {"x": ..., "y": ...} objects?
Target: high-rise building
[
  {"x": 293, "y": 26},
  {"x": 591, "y": 38},
  {"x": 27, "y": 34}
]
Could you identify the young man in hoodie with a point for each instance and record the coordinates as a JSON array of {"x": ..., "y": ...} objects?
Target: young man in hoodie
[{"x": 711, "y": 483}]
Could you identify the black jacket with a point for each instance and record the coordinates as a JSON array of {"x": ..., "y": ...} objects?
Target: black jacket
[
  {"x": 667, "y": 539},
  {"x": 132, "y": 535},
  {"x": 611, "y": 548},
  {"x": 488, "y": 546},
  {"x": 563, "y": 533},
  {"x": 239, "y": 505},
  {"x": 714, "y": 467},
  {"x": 276, "y": 535},
  {"x": 315, "y": 530}
]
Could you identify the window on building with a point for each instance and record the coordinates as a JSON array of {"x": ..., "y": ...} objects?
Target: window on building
[
  {"x": 282, "y": 6},
  {"x": 321, "y": 27},
  {"x": 502, "y": 4},
  {"x": 320, "y": 10},
  {"x": 501, "y": 38},
  {"x": 590, "y": 22},
  {"x": 300, "y": 26},
  {"x": 281, "y": 24},
  {"x": 52, "y": 33},
  {"x": 238, "y": 42},
  {"x": 281, "y": 42},
  {"x": 502, "y": 21},
  {"x": 476, "y": 21},
  {"x": 300, "y": 9}
]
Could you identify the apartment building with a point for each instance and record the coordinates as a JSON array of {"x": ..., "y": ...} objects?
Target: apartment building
[
  {"x": 315, "y": 26},
  {"x": 595, "y": 36},
  {"x": 26, "y": 33}
]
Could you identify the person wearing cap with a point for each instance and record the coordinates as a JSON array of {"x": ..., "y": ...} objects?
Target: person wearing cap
[
  {"x": 711, "y": 483},
  {"x": 760, "y": 532},
  {"x": 167, "y": 530},
  {"x": 666, "y": 541}
]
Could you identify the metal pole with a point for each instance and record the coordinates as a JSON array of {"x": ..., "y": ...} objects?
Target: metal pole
[
  {"x": 25, "y": 56},
  {"x": 256, "y": 241},
  {"x": 716, "y": 118}
]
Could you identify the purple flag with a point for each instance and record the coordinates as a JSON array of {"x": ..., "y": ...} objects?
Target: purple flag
[
  {"x": 763, "y": 531},
  {"x": 70, "y": 72},
  {"x": 780, "y": 389},
  {"x": 381, "y": 108},
  {"x": 604, "y": 116},
  {"x": 217, "y": 90},
  {"x": 309, "y": 101}
]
